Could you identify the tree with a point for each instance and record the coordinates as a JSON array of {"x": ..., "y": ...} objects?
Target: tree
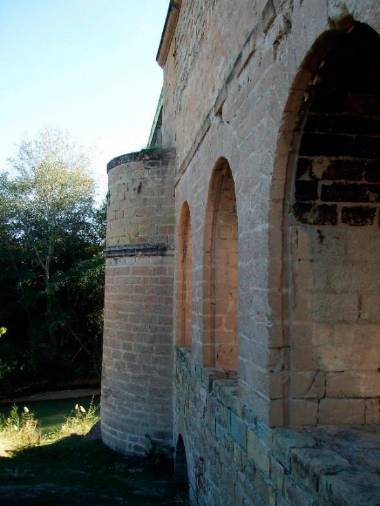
[{"x": 53, "y": 234}]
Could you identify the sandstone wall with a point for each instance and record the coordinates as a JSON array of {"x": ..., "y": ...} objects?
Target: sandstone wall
[
  {"x": 140, "y": 200},
  {"x": 334, "y": 239},
  {"x": 240, "y": 84},
  {"x": 238, "y": 87},
  {"x": 136, "y": 401}
]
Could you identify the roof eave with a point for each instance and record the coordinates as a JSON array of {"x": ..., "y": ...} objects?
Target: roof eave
[{"x": 168, "y": 31}]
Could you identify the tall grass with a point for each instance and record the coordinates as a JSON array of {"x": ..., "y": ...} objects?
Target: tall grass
[
  {"x": 20, "y": 428},
  {"x": 80, "y": 420}
]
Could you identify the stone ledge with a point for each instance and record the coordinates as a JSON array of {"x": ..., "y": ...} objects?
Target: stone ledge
[
  {"x": 132, "y": 250},
  {"x": 148, "y": 155},
  {"x": 340, "y": 464},
  {"x": 211, "y": 378},
  {"x": 137, "y": 156},
  {"x": 168, "y": 31},
  {"x": 311, "y": 466}
]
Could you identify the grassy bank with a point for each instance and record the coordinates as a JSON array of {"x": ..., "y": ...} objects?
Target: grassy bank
[
  {"x": 20, "y": 428},
  {"x": 63, "y": 467},
  {"x": 51, "y": 414}
]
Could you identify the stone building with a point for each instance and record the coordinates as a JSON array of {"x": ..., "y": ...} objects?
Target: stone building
[{"x": 242, "y": 305}]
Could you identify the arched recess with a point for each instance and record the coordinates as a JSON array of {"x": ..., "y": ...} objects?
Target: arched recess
[
  {"x": 180, "y": 463},
  {"x": 184, "y": 279},
  {"x": 330, "y": 273},
  {"x": 220, "y": 289}
]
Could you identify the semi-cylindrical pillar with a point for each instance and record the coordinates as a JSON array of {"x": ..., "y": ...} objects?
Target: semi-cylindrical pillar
[{"x": 136, "y": 402}]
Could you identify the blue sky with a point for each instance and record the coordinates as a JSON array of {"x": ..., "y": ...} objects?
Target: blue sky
[{"x": 87, "y": 66}]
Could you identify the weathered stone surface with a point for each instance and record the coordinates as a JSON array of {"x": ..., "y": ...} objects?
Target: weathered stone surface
[
  {"x": 308, "y": 465},
  {"x": 352, "y": 488},
  {"x": 333, "y": 410},
  {"x": 238, "y": 430},
  {"x": 291, "y": 466},
  {"x": 258, "y": 452},
  {"x": 137, "y": 347},
  {"x": 272, "y": 108}
]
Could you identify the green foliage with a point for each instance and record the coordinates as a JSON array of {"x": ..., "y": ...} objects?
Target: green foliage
[{"x": 51, "y": 264}]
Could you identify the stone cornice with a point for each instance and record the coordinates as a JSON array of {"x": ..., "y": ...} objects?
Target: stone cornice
[
  {"x": 144, "y": 154},
  {"x": 148, "y": 155},
  {"x": 168, "y": 31},
  {"x": 142, "y": 249}
]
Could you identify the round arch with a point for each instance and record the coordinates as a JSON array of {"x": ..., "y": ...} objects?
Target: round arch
[
  {"x": 184, "y": 279},
  {"x": 181, "y": 467},
  {"x": 322, "y": 207},
  {"x": 220, "y": 271}
]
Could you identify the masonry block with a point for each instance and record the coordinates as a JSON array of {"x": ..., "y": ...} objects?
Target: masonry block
[
  {"x": 303, "y": 412},
  {"x": 258, "y": 452},
  {"x": 309, "y": 464},
  {"x": 307, "y": 385},
  {"x": 334, "y": 410},
  {"x": 238, "y": 430},
  {"x": 353, "y": 384}
]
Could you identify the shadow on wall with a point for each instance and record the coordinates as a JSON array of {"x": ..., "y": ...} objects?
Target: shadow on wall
[{"x": 180, "y": 468}]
